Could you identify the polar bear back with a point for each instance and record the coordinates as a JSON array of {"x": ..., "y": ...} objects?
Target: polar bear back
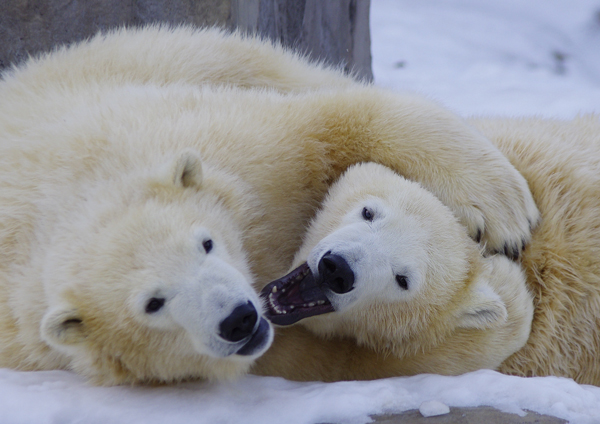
[{"x": 561, "y": 162}]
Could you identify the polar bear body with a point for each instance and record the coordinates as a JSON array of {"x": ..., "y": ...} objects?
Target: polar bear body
[
  {"x": 379, "y": 329},
  {"x": 149, "y": 177},
  {"x": 561, "y": 162}
]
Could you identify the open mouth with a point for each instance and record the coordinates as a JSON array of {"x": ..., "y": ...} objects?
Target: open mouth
[{"x": 294, "y": 297}]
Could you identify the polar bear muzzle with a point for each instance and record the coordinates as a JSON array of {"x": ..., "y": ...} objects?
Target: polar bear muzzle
[
  {"x": 243, "y": 324},
  {"x": 239, "y": 324},
  {"x": 294, "y": 297},
  {"x": 335, "y": 273},
  {"x": 259, "y": 338}
]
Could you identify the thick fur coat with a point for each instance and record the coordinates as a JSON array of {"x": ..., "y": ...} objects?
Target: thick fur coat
[
  {"x": 552, "y": 299},
  {"x": 149, "y": 178}
]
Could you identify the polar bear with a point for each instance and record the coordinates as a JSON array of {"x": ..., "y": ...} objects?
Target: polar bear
[
  {"x": 391, "y": 283},
  {"x": 413, "y": 294},
  {"x": 149, "y": 178}
]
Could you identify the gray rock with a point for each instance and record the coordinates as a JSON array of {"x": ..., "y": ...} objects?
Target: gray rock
[{"x": 480, "y": 415}]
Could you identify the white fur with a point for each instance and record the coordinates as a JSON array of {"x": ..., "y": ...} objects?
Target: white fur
[
  {"x": 411, "y": 234},
  {"x": 390, "y": 245},
  {"x": 458, "y": 312},
  {"x": 116, "y": 152}
]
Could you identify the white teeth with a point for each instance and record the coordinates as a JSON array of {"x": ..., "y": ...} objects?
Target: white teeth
[
  {"x": 274, "y": 305},
  {"x": 284, "y": 309},
  {"x": 274, "y": 289},
  {"x": 282, "y": 290}
]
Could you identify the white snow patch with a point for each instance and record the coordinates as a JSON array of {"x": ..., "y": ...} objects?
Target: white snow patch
[
  {"x": 433, "y": 408},
  {"x": 61, "y": 397},
  {"x": 491, "y": 57}
]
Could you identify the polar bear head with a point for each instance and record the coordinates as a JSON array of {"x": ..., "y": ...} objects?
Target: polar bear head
[
  {"x": 151, "y": 282},
  {"x": 398, "y": 270}
]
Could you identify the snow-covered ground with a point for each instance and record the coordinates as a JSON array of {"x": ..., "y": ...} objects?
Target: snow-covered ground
[
  {"x": 491, "y": 57},
  {"x": 477, "y": 57},
  {"x": 59, "y": 397}
]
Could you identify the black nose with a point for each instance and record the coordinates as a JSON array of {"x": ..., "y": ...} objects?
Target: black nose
[
  {"x": 335, "y": 273},
  {"x": 239, "y": 324}
]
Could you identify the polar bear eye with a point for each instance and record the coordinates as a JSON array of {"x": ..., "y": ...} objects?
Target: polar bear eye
[
  {"x": 154, "y": 305},
  {"x": 368, "y": 214},
  {"x": 208, "y": 245},
  {"x": 402, "y": 281}
]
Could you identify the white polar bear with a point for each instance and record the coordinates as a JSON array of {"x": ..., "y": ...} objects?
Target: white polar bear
[
  {"x": 412, "y": 294},
  {"x": 150, "y": 177}
]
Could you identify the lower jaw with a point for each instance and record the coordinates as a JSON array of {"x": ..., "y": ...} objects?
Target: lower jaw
[{"x": 258, "y": 342}]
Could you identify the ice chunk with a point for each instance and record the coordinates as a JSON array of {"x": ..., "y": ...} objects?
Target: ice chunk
[{"x": 431, "y": 408}]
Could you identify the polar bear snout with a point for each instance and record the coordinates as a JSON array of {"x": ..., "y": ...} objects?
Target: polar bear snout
[
  {"x": 335, "y": 274},
  {"x": 260, "y": 339},
  {"x": 239, "y": 324},
  {"x": 247, "y": 327}
]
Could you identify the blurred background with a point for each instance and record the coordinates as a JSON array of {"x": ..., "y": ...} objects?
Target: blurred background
[{"x": 477, "y": 57}]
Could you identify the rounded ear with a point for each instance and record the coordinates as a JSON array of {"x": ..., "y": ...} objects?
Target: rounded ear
[
  {"x": 63, "y": 327},
  {"x": 184, "y": 170},
  {"x": 483, "y": 309}
]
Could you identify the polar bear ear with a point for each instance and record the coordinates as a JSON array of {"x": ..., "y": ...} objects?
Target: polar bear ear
[
  {"x": 484, "y": 308},
  {"x": 184, "y": 170},
  {"x": 63, "y": 327}
]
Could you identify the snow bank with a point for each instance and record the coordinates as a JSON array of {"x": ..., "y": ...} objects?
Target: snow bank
[{"x": 62, "y": 397}]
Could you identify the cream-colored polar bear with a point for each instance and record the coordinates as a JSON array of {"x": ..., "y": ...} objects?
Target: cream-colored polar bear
[
  {"x": 412, "y": 293},
  {"x": 149, "y": 177}
]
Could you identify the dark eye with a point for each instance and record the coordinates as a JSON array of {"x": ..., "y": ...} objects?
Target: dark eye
[
  {"x": 208, "y": 245},
  {"x": 368, "y": 214},
  {"x": 154, "y": 305},
  {"x": 402, "y": 281}
]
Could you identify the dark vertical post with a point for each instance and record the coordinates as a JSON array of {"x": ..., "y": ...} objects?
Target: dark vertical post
[{"x": 336, "y": 32}]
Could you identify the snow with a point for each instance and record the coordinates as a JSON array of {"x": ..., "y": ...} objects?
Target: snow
[
  {"x": 491, "y": 57},
  {"x": 63, "y": 397},
  {"x": 477, "y": 57},
  {"x": 433, "y": 408}
]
